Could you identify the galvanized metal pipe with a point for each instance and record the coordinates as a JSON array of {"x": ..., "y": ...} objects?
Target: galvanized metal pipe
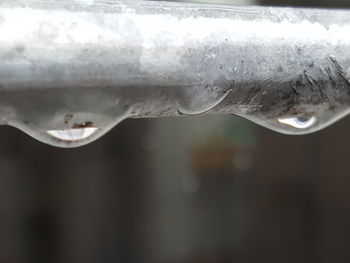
[{"x": 71, "y": 70}]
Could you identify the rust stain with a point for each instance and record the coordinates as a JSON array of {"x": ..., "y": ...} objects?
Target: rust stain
[
  {"x": 87, "y": 124},
  {"x": 68, "y": 118}
]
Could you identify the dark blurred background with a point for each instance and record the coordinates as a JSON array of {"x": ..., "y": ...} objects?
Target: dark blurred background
[{"x": 185, "y": 190}]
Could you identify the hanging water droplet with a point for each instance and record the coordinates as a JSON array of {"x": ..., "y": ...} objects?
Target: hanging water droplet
[
  {"x": 76, "y": 136},
  {"x": 310, "y": 118},
  {"x": 298, "y": 122},
  {"x": 65, "y": 117},
  {"x": 196, "y": 100},
  {"x": 295, "y": 125},
  {"x": 73, "y": 135}
]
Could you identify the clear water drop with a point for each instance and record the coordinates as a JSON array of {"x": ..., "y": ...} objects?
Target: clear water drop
[
  {"x": 310, "y": 118},
  {"x": 298, "y": 122},
  {"x": 76, "y": 135},
  {"x": 66, "y": 118},
  {"x": 293, "y": 125},
  {"x": 198, "y": 100},
  {"x": 73, "y": 135}
]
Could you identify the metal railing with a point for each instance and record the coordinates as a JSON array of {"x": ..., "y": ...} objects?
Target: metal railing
[{"x": 71, "y": 70}]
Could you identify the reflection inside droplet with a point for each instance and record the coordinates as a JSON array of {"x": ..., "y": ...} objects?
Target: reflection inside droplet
[
  {"x": 72, "y": 135},
  {"x": 299, "y": 122}
]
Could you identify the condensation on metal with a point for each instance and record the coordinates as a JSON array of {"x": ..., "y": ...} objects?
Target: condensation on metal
[{"x": 65, "y": 64}]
